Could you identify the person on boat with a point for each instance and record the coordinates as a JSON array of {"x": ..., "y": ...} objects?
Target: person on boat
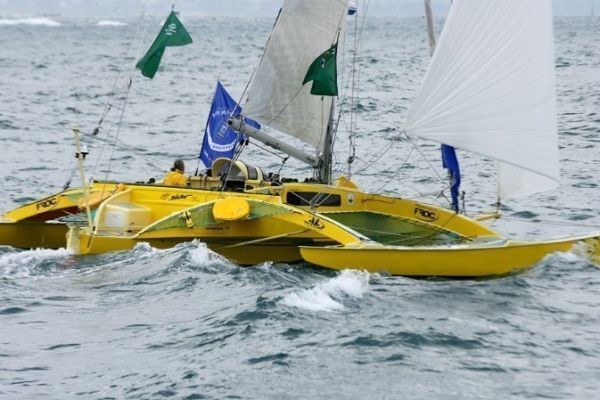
[{"x": 176, "y": 177}]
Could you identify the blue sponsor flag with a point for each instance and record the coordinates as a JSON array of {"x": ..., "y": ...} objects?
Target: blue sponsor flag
[
  {"x": 450, "y": 162},
  {"x": 219, "y": 139}
]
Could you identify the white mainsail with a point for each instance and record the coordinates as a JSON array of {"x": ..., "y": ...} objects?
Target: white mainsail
[
  {"x": 276, "y": 96},
  {"x": 490, "y": 89}
]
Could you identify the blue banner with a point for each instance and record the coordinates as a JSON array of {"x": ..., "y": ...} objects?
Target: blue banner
[
  {"x": 219, "y": 139},
  {"x": 450, "y": 162}
]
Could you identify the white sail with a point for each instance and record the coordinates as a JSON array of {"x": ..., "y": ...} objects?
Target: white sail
[
  {"x": 276, "y": 97},
  {"x": 490, "y": 89}
]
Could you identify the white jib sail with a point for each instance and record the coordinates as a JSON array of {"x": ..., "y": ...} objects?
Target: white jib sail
[
  {"x": 276, "y": 97},
  {"x": 490, "y": 89}
]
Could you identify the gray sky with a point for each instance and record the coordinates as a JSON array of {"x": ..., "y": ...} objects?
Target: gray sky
[{"x": 238, "y": 8}]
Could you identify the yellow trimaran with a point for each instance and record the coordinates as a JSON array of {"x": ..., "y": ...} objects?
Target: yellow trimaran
[
  {"x": 336, "y": 225},
  {"x": 250, "y": 228}
]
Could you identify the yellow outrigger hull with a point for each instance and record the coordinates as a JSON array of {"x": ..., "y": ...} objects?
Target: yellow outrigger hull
[{"x": 472, "y": 260}]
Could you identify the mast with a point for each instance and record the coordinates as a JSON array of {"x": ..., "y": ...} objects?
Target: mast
[
  {"x": 430, "y": 27},
  {"x": 351, "y": 143},
  {"x": 325, "y": 162}
]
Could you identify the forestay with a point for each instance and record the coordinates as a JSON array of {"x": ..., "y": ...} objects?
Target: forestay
[
  {"x": 276, "y": 96},
  {"x": 490, "y": 89}
]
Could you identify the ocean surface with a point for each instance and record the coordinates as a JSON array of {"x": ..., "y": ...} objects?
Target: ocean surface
[{"x": 186, "y": 323}]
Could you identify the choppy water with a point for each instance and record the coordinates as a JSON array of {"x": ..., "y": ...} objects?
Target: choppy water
[{"x": 185, "y": 323}]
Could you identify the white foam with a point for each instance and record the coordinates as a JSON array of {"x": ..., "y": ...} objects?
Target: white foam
[
  {"x": 41, "y": 21},
  {"x": 581, "y": 252},
  {"x": 328, "y": 295},
  {"x": 111, "y": 23},
  {"x": 571, "y": 257},
  {"x": 267, "y": 265},
  {"x": 201, "y": 255},
  {"x": 21, "y": 264},
  {"x": 145, "y": 247}
]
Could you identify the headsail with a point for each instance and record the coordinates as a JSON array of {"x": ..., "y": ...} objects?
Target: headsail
[
  {"x": 490, "y": 90},
  {"x": 449, "y": 158},
  {"x": 277, "y": 97}
]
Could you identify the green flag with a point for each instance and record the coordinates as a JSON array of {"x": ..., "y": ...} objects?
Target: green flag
[
  {"x": 172, "y": 33},
  {"x": 323, "y": 73}
]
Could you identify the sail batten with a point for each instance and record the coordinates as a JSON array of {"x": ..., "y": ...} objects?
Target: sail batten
[
  {"x": 490, "y": 90},
  {"x": 276, "y": 96}
]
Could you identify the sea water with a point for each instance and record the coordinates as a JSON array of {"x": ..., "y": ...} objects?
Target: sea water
[{"x": 187, "y": 323}]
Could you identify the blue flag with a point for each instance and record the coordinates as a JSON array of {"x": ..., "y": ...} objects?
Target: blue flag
[
  {"x": 450, "y": 162},
  {"x": 219, "y": 139}
]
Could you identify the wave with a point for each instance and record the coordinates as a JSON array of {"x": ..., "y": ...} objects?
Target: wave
[
  {"x": 41, "y": 21},
  {"x": 23, "y": 264},
  {"x": 329, "y": 295},
  {"x": 111, "y": 23}
]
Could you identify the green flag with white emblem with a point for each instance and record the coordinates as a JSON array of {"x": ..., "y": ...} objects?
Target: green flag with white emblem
[
  {"x": 323, "y": 73},
  {"x": 173, "y": 33}
]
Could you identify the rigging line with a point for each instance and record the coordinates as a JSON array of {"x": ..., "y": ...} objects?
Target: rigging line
[
  {"x": 281, "y": 167},
  {"x": 344, "y": 105},
  {"x": 376, "y": 157},
  {"x": 122, "y": 145},
  {"x": 126, "y": 98},
  {"x": 356, "y": 76},
  {"x": 140, "y": 40},
  {"x": 403, "y": 163},
  {"x": 419, "y": 195},
  {"x": 232, "y": 162},
  {"x": 266, "y": 239},
  {"x": 237, "y": 106},
  {"x": 425, "y": 158},
  {"x": 112, "y": 93},
  {"x": 71, "y": 175},
  {"x": 120, "y": 124},
  {"x": 435, "y": 195},
  {"x": 302, "y": 199},
  {"x": 109, "y": 133},
  {"x": 319, "y": 199},
  {"x": 269, "y": 151}
]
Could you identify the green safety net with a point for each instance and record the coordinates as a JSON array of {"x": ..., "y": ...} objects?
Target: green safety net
[{"x": 394, "y": 230}]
